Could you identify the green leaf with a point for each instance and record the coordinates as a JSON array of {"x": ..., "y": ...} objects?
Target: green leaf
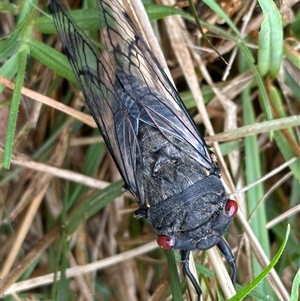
[
  {"x": 93, "y": 204},
  {"x": 14, "y": 110},
  {"x": 292, "y": 55},
  {"x": 295, "y": 287},
  {"x": 9, "y": 69},
  {"x": 51, "y": 58},
  {"x": 245, "y": 291},
  {"x": 270, "y": 40},
  {"x": 295, "y": 26},
  {"x": 60, "y": 288},
  {"x": 9, "y": 47},
  {"x": 10, "y": 8},
  {"x": 86, "y": 19},
  {"x": 157, "y": 12},
  {"x": 284, "y": 144},
  {"x": 253, "y": 173},
  {"x": 90, "y": 19},
  {"x": 174, "y": 278},
  {"x": 264, "y": 53}
]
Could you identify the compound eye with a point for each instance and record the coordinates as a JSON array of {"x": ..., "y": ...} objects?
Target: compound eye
[
  {"x": 231, "y": 208},
  {"x": 165, "y": 242}
]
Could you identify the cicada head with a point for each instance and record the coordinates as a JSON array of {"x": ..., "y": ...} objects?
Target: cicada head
[{"x": 195, "y": 218}]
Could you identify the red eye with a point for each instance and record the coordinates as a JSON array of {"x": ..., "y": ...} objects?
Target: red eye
[
  {"x": 165, "y": 242},
  {"x": 231, "y": 208}
]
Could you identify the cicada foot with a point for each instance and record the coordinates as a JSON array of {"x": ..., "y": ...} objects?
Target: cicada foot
[{"x": 141, "y": 212}]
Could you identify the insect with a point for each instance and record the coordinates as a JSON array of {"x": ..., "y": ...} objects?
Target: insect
[{"x": 155, "y": 144}]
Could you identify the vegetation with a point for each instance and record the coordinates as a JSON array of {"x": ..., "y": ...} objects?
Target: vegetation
[{"x": 67, "y": 228}]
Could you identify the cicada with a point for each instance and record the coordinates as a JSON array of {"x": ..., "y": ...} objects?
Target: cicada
[{"x": 164, "y": 161}]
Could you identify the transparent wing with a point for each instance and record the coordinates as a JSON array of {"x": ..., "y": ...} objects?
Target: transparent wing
[{"x": 124, "y": 85}]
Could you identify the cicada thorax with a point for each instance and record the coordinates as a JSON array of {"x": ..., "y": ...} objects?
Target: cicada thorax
[{"x": 166, "y": 168}]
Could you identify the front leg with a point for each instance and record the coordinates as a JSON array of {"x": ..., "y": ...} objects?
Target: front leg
[
  {"x": 226, "y": 251},
  {"x": 185, "y": 264}
]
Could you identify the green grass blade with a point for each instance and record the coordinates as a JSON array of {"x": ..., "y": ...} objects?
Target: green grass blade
[
  {"x": 86, "y": 19},
  {"x": 14, "y": 109},
  {"x": 92, "y": 205},
  {"x": 292, "y": 55},
  {"x": 295, "y": 287},
  {"x": 286, "y": 140},
  {"x": 9, "y": 69},
  {"x": 245, "y": 291},
  {"x": 51, "y": 58},
  {"x": 253, "y": 173},
  {"x": 174, "y": 278}
]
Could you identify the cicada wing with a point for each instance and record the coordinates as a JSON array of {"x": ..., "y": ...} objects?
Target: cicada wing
[
  {"x": 96, "y": 75},
  {"x": 125, "y": 85},
  {"x": 132, "y": 55}
]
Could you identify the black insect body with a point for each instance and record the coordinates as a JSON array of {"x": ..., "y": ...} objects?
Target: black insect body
[{"x": 161, "y": 156}]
